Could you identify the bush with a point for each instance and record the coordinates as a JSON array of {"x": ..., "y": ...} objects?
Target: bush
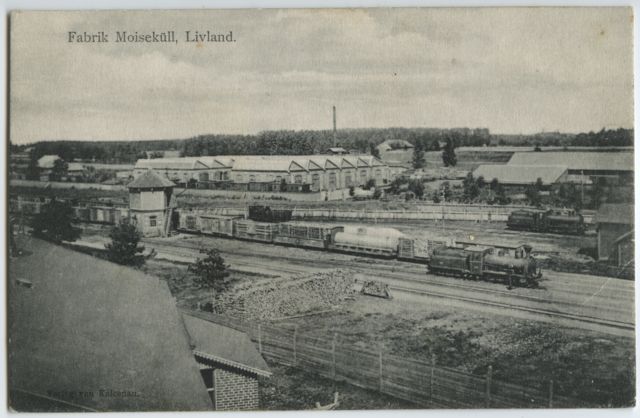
[{"x": 56, "y": 222}]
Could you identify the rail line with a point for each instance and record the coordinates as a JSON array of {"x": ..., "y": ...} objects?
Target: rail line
[
  {"x": 406, "y": 268},
  {"x": 402, "y": 276},
  {"x": 545, "y": 312}
]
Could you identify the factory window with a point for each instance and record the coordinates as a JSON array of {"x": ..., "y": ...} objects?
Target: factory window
[
  {"x": 332, "y": 181},
  {"x": 315, "y": 182},
  {"x": 153, "y": 220},
  {"x": 278, "y": 179},
  {"x": 239, "y": 178},
  {"x": 363, "y": 176},
  {"x": 378, "y": 174},
  {"x": 297, "y": 179},
  {"x": 347, "y": 180},
  {"x": 252, "y": 178}
]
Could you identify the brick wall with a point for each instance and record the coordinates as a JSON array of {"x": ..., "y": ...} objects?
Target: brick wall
[{"x": 235, "y": 391}]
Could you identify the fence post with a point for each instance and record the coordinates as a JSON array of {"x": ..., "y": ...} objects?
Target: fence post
[
  {"x": 551, "y": 393},
  {"x": 433, "y": 366},
  {"x": 295, "y": 352},
  {"x": 488, "y": 388},
  {"x": 380, "y": 368},
  {"x": 260, "y": 338},
  {"x": 333, "y": 356}
]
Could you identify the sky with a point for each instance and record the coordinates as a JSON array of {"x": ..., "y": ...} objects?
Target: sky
[{"x": 518, "y": 70}]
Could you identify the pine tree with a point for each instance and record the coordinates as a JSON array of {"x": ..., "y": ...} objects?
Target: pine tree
[
  {"x": 124, "y": 247},
  {"x": 418, "y": 156},
  {"x": 211, "y": 272},
  {"x": 449, "y": 155}
]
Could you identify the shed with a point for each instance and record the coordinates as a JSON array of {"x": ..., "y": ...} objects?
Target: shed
[
  {"x": 615, "y": 224},
  {"x": 229, "y": 363},
  {"x": 518, "y": 177}
]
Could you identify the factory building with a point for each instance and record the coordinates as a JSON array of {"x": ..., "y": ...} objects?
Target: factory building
[
  {"x": 516, "y": 179},
  {"x": 309, "y": 172},
  {"x": 615, "y": 168}
]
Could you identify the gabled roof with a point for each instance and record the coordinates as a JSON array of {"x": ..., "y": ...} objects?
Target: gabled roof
[
  {"x": 574, "y": 160},
  {"x": 224, "y": 345},
  {"x": 508, "y": 174},
  {"x": 88, "y": 324},
  {"x": 46, "y": 161},
  {"x": 615, "y": 213},
  {"x": 372, "y": 161},
  {"x": 150, "y": 180},
  {"x": 327, "y": 162}
]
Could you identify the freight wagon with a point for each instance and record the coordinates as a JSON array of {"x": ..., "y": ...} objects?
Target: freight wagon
[{"x": 305, "y": 235}]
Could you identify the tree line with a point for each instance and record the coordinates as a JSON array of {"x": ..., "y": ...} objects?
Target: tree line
[{"x": 286, "y": 142}]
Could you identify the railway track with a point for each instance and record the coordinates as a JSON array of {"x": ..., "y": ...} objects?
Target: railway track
[
  {"x": 549, "y": 313},
  {"x": 292, "y": 265},
  {"x": 407, "y": 271}
]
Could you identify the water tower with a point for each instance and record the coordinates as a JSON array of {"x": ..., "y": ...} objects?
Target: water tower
[{"x": 150, "y": 204}]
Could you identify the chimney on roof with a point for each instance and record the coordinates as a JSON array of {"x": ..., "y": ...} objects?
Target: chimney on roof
[{"x": 335, "y": 132}]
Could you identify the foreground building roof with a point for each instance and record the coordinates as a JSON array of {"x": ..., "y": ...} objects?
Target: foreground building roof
[
  {"x": 87, "y": 334},
  {"x": 225, "y": 346}
]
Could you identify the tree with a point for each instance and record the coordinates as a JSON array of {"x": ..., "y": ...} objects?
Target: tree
[
  {"x": 481, "y": 182},
  {"x": 533, "y": 195},
  {"x": 470, "y": 189},
  {"x": 59, "y": 169},
  {"x": 449, "y": 155},
  {"x": 598, "y": 192},
  {"x": 417, "y": 187},
  {"x": 446, "y": 190},
  {"x": 56, "y": 222},
  {"x": 211, "y": 272},
  {"x": 374, "y": 150},
  {"x": 494, "y": 184},
  {"x": 371, "y": 183},
  {"x": 33, "y": 170},
  {"x": 418, "y": 156},
  {"x": 352, "y": 191},
  {"x": 125, "y": 245},
  {"x": 436, "y": 196}
]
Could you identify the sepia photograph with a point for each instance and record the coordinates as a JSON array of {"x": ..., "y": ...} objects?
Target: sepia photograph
[{"x": 390, "y": 208}]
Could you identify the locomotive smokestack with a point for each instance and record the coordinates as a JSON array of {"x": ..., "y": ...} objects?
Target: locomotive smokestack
[{"x": 335, "y": 132}]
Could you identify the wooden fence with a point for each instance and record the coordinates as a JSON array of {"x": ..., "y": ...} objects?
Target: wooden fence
[{"x": 424, "y": 383}]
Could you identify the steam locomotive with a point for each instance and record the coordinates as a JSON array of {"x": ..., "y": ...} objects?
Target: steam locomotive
[
  {"x": 549, "y": 220},
  {"x": 517, "y": 268}
]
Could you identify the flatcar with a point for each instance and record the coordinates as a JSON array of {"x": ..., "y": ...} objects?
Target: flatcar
[{"x": 481, "y": 262}]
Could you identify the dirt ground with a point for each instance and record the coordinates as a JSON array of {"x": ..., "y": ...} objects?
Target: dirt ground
[
  {"x": 583, "y": 364},
  {"x": 587, "y": 365}
]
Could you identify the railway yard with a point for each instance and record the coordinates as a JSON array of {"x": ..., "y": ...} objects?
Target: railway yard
[{"x": 574, "y": 329}]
